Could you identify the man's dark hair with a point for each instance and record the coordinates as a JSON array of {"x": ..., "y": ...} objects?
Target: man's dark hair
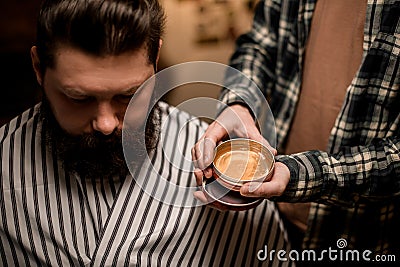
[{"x": 99, "y": 27}]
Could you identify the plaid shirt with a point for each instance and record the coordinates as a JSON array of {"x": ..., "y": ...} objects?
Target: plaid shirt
[{"x": 355, "y": 184}]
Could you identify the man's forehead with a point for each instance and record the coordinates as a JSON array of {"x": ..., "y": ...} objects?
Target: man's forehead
[
  {"x": 78, "y": 71},
  {"x": 70, "y": 56}
]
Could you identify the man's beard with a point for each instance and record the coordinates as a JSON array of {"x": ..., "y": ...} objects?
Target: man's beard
[{"x": 95, "y": 155}]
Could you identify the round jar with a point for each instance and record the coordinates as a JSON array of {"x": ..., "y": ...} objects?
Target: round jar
[{"x": 239, "y": 161}]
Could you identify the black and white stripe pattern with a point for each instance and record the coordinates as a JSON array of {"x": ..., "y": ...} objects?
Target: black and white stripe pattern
[{"x": 51, "y": 218}]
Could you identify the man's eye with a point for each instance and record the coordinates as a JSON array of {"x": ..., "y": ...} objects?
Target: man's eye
[{"x": 80, "y": 100}]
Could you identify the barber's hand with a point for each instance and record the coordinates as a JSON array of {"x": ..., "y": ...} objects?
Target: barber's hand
[
  {"x": 215, "y": 205},
  {"x": 235, "y": 120},
  {"x": 272, "y": 188}
]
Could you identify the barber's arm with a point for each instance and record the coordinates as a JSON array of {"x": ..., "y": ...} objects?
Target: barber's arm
[
  {"x": 354, "y": 174},
  {"x": 255, "y": 58}
]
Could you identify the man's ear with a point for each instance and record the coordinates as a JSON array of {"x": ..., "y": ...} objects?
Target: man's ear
[
  {"x": 159, "y": 49},
  {"x": 36, "y": 65}
]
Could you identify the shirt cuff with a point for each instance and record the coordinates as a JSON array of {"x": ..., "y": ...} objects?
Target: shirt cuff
[{"x": 293, "y": 192}]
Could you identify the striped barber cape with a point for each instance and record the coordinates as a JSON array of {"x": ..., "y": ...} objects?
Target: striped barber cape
[{"x": 51, "y": 218}]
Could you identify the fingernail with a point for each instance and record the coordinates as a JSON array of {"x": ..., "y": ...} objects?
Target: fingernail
[{"x": 253, "y": 186}]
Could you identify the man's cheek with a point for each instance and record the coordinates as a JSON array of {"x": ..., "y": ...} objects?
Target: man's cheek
[
  {"x": 138, "y": 110},
  {"x": 74, "y": 121}
]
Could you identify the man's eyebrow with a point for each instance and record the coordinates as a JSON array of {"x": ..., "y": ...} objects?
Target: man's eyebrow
[
  {"x": 73, "y": 91},
  {"x": 77, "y": 92},
  {"x": 132, "y": 89}
]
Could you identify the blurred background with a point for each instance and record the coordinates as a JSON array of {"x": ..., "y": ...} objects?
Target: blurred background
[{"x": 195, "y": 30}]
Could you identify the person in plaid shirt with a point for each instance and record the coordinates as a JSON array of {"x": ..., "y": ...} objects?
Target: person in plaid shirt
[{"x": 353, "y": 183}]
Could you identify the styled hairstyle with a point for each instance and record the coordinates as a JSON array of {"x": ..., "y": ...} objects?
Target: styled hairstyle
[{"x": 99, "y": 27}]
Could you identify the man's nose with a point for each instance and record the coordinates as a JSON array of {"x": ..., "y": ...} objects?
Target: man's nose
[{"x": 106, "y": 119}]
